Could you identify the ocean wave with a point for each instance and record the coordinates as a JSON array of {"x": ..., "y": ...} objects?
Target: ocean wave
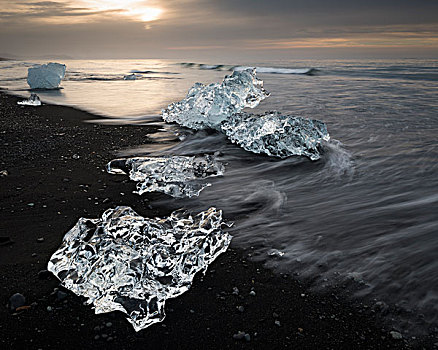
[
  {"x": 268, "y": 70},
  {"x": 109, "y": 78},
  {"x": 14, "y": 79},
  {"x": 274, "y": 70},
  {"x": 8, "y": 67},
  {"x": 137, "y": 71}
]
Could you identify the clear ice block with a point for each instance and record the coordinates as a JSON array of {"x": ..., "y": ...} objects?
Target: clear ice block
[
  {"x": 177, "y": 176},
  {"x": 33, "y": 100},
  {"x": 129, "y": 263},
  {"x": 276, "y": 135},
  {"x": 206, "y": 106}
]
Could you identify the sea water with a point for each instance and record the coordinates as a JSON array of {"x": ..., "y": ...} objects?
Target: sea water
[{"x": 364, "y": 217}]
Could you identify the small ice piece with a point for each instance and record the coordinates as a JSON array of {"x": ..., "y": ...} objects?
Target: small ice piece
[
  {"x": 131, "y": 77},
  {"x": 33, "y": 100},
  {"x": 129, "y": 263},
  {"x": 206, "y": 106},
  {"x": 177, "y": 176},
  {"x": 276, "y": 135},
  {"x": 46, "y": 76},
  {"x": 275, "y": 252}
]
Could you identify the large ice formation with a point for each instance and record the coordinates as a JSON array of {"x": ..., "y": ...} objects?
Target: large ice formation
[
  {"x": 177, "y": 176},
  {"x": 206, "y": 106},
  {"x": 129, "y": 263},
  {"x": 276, "y": 135},
  {"x": 46, "y": 76},
  {"x": 33, "y": 100}
]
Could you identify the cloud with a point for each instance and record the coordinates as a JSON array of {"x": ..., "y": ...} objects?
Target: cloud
[
  {"x": 182, "y": 27},
  {"x": 70, "y": 11}
]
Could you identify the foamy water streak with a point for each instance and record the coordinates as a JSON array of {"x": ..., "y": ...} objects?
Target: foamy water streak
[
  {"x": 269, "y": 70},
  {"x": 358, "y": 215},
  {"x": 367, "y": 210},
  {"x": 312, "y": 212}
]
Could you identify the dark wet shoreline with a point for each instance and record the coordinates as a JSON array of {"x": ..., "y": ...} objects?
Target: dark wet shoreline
[{"x": 48, "y": 188}]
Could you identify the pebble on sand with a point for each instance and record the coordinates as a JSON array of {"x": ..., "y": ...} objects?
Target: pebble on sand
[
  {"x": 44, "y": 274},
  {"x": 396, "y": 335},
  {"x": 242, "y": 335},
  {"x": 16, "y": 301}
]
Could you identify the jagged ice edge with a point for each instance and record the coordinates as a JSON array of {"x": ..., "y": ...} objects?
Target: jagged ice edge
[
  {"x": 177, "y": 176},
  {"x": 129, "y": 263},
  {"x": 206, "y": 106},
  {"x": 276, "y": 135}
]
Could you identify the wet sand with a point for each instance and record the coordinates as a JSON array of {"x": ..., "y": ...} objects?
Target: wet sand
[{"x": 55, "y": 173}]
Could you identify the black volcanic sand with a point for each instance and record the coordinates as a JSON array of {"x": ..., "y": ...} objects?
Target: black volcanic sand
[{"x": 48, "y": 187}]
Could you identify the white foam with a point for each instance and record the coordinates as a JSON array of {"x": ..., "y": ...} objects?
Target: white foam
[{"x": 273, "y": 70}]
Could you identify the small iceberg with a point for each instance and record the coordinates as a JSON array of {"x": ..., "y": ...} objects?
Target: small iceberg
[
  {"x": 33, "y": 100},
  {"x": 276, "y": 135},
  {"x": 206, "y": 106},
  {"x": 46, "y": 76},
  {"x": 132, "y": 264},
  {"x": 132, "y": 76},
  {"x": 177, "y": 176}
]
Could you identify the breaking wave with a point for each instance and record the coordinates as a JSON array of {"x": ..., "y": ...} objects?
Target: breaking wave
[
  {"x": 274, "y": 70},
  {"x": 149, "y": 72},
  {"x": 267, "y": 70},
  {"x": 109, "y": 77}
]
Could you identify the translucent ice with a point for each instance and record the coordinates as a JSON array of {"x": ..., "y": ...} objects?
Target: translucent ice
[
  {"x": 177, "y": 176},
  {"x": 129, "y": 263},
  {"x": 46, "y": 76},
  {"x": 130, "y": 77},
  {"x": 206, "y": 106},
  {"x": 276, "y": 135},
  {"x": 33, "y": 100}
]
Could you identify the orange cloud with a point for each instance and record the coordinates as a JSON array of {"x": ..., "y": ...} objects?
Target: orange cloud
[
  {"x": 79, "y": 11},
  {"x": 361, "y": 41}
]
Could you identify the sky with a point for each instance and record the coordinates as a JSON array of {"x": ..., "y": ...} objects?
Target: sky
[{"x": 219, "y": 29}]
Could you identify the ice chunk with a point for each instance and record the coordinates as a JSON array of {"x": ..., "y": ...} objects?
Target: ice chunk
[
  {"x": 207, "y": 105},
  {"x": 177, "y": 176},
  {"x": 276, "y": 252},
  {"x": 46, "y": 76},
  {"x": 129, "y": 263},
  {"x": 131, "y": 77},
  {"x": 276, "y": 135},
  {"x": 33, "y": 100}
]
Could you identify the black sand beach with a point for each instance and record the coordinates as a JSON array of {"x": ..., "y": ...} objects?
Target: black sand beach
[{"x": 54, "y": 165}]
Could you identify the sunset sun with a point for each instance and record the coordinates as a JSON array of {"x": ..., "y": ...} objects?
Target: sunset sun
[{"x": 134, "y": 9}]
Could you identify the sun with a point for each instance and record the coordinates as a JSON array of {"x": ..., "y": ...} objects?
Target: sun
[
  {"x": 146, "y": 14},
  {"x": 135, "y": 9}
]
